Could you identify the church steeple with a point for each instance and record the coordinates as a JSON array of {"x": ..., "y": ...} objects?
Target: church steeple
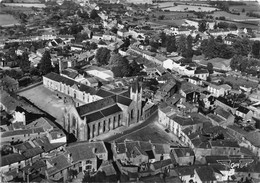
[{"x": 136, "y": 95}]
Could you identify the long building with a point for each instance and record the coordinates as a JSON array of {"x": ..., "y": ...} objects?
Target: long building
[{"x": 101, "y": 110}]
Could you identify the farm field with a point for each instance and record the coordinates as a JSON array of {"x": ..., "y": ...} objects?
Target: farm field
[
  {"x": 174, "y": 15},
  {"x": 6, "y": 19},
  {"x": 231, "y": 16},
  {"x": 190, "y": 8},
  {"x": 25, "y": 5},
  {"x": 168, "y": 22},
  {"x": 250, "y": 7}
]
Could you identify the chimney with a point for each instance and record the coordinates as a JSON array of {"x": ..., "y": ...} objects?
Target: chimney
[
  {"x": 42, "y": 147},
  {"x": 94, "y": 150}
]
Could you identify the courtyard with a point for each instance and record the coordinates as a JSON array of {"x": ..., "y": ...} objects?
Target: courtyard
[{"x": 47, "y": 100}]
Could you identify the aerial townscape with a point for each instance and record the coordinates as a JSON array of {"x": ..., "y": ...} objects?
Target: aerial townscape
[{"x": 145, "y": 91}]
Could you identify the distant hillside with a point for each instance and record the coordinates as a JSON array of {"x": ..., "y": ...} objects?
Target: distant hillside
[{"x": 23, "y": 1}]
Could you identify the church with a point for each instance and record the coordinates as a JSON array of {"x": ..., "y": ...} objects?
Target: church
[{"x": 101, "y": 112}]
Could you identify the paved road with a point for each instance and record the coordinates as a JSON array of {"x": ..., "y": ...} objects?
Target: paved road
[{"x": 130, "y": 130}]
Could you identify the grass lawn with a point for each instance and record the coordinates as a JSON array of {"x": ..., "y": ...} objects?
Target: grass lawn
[{"x": 152, "y": 132}]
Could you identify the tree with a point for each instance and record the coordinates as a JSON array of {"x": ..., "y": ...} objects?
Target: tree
[
  {"x": 189, "y": 51},
  {"x": 114, "y": 30},
  {"x": 197, "y": 38},
  {"x": 223, "y": 25},
  {"x": 208, "y": 79},
  {"x": 219, "y": 39},
  {"x": 94, "y": 14},
  {"x": 186, "y": 60},
  {"x": 119, "y": 65},
  {"x": 93, "y": 46},
  {"x": 232, "y": 26},
  {"x": 210, "y": 49},
  {"x": 45, "y": 63},
  {"x": 75, "y": 29},
  {"x": 181, "y": 45},
  {"x": 225, "y": 51},
  {"x": 82, "y": 14},
  {"x": 163, "y": 39},
  {"x": 210, "y": 67},
  {"x": 154, "y": 44},
  {"x": 202, "y": 26},
  {"x": 171, "y": 44},
  {"x": 161, "y": 17},
  {"x": 24, "y": 62},
  {"x": 242, "y": 46},
  {"x": 215, "y": 26},
  {"x": 135, "y": 68},
  {"x": 102, "y": 56},
  {"x": 81, "y": 37},
  {"x": 256, "y": 49}
]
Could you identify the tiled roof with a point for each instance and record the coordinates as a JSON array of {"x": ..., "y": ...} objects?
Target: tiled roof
[
  {"x": 109, "y": 169},
  {"x": 104, "y": 93},
  {"x": 161, "y": 164},
  {"x": 133, "y": 149},
  {"x": 104, "y": 103},
  {"x": 41, "y": 122},
  {"x": 251, "y": 168},
  {"x": 213, "y": 159},
  {"x": 185, "y": 170},
  {"x": 201, "y": 71},
  {"x": 11, "y": 158},
  {"x": 221, "y": 112},
  {"x": 45, "y": 144},
  {"x": 224, "y": 143},
  {"x": 120, "y": 148},
  {"x": 215, "y": 118},
  {"x": 56, "y": 77},
  {"x": 70, "y": 74},
  {"x": 59, "y": 162},
  {"x": 167, "y": 87},
  {"x": 123, "y": 100},
  {"x": 206, "y": 173},
  {"x": 111, "y": 110},
  {"x": 186, "y": 121},
  {"x": 254, "y": 138},
  {"x": 183, "y": 152},
  {"x": 161, "y": 149},
  {"x": 21, "y": 132},
  {"x": 226, "y": 102},
  {"x": 96, "y": 106},
  {"x": 94, "y": 116},
  {"x": 195, "y": 78},
  {"x": 87, "y": 89},
  {"x": 30, "y": 153},
  {"x": 85, "y": 150},
  {"x": 243, "y": 110},
  {"x": 237, "y": 129},
  {"x": 11, "y": 103}
]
